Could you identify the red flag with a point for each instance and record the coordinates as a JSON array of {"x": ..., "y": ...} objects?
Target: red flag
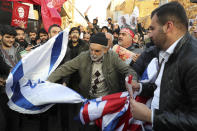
[
  {"x": 50, "y": 15},
  {"x": 25, "y": 1},
  {"x": 49, "y": 11},
  {"x": 20, "y": 14}
]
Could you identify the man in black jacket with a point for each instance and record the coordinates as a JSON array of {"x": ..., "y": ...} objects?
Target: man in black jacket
[
  {"x": 69, "y": 111},
  {"x": 76, "y": 44},
  {"x": 174, "y": 105},
  {"x": 4, "y": 71}
]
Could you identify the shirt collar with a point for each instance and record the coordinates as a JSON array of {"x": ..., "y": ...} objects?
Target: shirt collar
[
  {"x": 165, "y": 54},
  {"x": 170, "y": 50}
]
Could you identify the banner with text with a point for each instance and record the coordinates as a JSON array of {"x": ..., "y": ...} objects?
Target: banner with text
[{"x": 20, "y": 15}]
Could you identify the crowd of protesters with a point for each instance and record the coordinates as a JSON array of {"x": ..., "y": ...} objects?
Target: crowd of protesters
[{"x": 106, "y": 69}]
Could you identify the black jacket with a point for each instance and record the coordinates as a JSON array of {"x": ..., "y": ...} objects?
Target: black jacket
[
  {"x": 5, "y": 69},
  {"x": 178, "y": 92},
  {"x": 75, "y": 51},
  {"x": 144, "y": 59}
]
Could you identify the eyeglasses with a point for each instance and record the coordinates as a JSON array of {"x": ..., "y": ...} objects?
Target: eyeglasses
[{"x": 75, "y": 32}]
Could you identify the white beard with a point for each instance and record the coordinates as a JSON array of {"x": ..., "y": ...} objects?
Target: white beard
[{"x": 96, "y": 58}]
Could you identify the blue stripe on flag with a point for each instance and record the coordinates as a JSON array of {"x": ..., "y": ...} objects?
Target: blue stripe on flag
[
  {"x": 145, "y": 75},
  {"x": 56, "y": 50},
  {"x": 17, "y": 96},
  {"x": 21, "y": 101},
  {"x": 112, "y": 125}
]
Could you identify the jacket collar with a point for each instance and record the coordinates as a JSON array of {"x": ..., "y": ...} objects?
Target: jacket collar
[{"x": 181, "y": 43}]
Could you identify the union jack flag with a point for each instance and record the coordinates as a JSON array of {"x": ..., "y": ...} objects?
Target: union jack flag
[{"x": 112, "y": 112}]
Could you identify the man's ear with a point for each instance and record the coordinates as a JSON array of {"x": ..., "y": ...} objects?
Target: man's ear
[
  {"x": 106, "y": 49},
  {"x": 168, "y": 27}
]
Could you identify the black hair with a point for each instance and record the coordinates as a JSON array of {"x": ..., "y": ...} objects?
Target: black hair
[
  {"x": 95, "y": 20},
  {"x": 42, "y": 30},
  {"x": 74, "y": 28},
  {"x": 104, "y": 27},
  {"x": 32, "y": 31},
  {"x": 54, "y": 25},
  {"x": 19, "y": 28},
  {"x": 117, "y": 31},
  {"x": 109, "y": 19},
  {"x": 7, "y": 29},
  {"x": 79, "y": 27},
  {"x": 172, "y": 11}
]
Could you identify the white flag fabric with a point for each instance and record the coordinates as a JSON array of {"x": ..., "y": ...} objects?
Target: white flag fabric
[
  {"x": 26, "y": 86},
  {"x": 150, "y": 73}
]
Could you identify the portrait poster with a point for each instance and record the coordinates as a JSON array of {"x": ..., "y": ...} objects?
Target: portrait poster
[
  {"x": 20, "y": 14},
  {"x": 123, "y": 53},
  {"x": 123, "y": 21},
  {"x": 133, "y": 22}
]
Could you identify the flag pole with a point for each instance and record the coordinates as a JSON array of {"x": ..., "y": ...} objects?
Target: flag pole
[{"x": 76, "y": 9}]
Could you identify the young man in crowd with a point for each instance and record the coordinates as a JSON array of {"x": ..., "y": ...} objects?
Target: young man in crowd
[
  {"x": 9, "y": 53},
  {"x": 115, "y": 35},
  {"x": 86, "y": 37},
  {"x": 75, "y": 43},
  {"x": 32, "y": 36},
  {"x": 20, "y": 37},
  {"x": 110, "y": 25},
  {"x": 43, "y": 35},
  {"x": 76, "y": 46},
  {"x": 54, "y": 30}
]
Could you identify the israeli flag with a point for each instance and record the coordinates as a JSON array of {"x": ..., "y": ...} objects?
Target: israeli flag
[
  {"x": 26, "y": 86},
  {"x": 150, "y": 73}
]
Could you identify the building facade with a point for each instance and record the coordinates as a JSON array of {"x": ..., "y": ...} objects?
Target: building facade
[{"x": 121, "y": 7}]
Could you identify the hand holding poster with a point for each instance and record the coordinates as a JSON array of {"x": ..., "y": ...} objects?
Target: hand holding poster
[
  {"x": 123, "y": 53},
  {"x": 20, "y": 15}
]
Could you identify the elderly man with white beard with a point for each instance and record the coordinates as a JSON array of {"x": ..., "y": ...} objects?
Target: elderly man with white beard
[
  {"x": 99, "y": 68},
  {"x": 100, "y": 71}
]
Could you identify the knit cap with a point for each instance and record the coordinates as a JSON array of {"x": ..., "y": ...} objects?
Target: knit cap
[{"x": 99, "y": 38}]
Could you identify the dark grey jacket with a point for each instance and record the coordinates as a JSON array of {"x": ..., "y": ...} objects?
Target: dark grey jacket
[
  {"x": 113, "y": 68},
  {"x": 178, "y": 91},
  {"x": 144, "y": 59}
]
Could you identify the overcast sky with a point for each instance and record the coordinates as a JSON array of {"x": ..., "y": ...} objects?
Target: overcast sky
[{"x": 98, "y": 9}]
